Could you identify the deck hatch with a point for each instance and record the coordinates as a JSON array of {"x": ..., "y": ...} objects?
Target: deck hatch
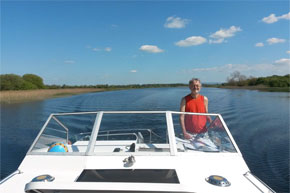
[{"x": 129, "y": 175}]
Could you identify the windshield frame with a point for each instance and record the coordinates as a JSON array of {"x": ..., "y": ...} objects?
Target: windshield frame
[{"x": 97, "y": 123}]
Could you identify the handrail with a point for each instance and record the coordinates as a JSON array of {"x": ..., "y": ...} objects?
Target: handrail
[
  {"x": 98, "y": 119},
  {"x": 246, "y": 175},
  {"x": 151, "y": 133},
  {"x": 56, "y": 130},
  {"x": 62, "y": 126},
  {"x": 10, "y": 176},
  {"x": 117, "y": 134},
  {"x": 94, "y": 134},
  {"x": 136, "y": 112},
  {"x": 39, "y": 134}
]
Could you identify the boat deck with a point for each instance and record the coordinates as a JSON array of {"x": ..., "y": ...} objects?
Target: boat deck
[{"x": 99, "y": 155}]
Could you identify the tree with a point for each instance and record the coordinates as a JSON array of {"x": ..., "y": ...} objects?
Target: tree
[
  {"x": 34, "y": 79},
  {"x": 252, "y": 81},
  {"x": 11, "y": 82},
  {"x": 236, "y": 78},
  {"x": 28, "y": 86}
]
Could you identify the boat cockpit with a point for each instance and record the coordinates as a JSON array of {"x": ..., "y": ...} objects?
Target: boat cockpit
[
  {"x": 133, "y": 151},
  {"x": 133, "y": 133}
]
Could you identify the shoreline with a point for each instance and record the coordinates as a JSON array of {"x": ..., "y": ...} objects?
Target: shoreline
[
  {"x": 20, "y": 96},
  {"x": 259, "y": 88}
]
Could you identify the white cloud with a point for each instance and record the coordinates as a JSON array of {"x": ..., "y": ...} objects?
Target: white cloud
[
  {"x": 272, "y": 18},
  {"x": 283, "y": 61},
  {"x": 220, "y": 73},
  {"x": 191, "y": 41},
  {"x": 69, "y": 61},
  {"x": 275, "y": 40},
  {"x": 260, "y": 44},
  {"x": 222, "y": 34},
  {"x": 278, "y": 67},
  {"x": 108, "y": 49},
  {"x": 224, "y": 68},
  {"x": 205, "y": 69},
  {"x": 151, "y": 49},
  {"x": 225, "y": 33},
  {"x": 175, "y": 22},
  {"x": 285, "y": 16},
  {"x": 133, "y": 71},
  {"x": 217, "y": 41},
  {"x": 288, "y": 51}
]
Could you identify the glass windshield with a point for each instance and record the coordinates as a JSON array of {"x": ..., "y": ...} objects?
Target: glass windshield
[
  {"x": 200, "y": 133},
  {"x": 119, "y": 133},
  {"x": 63, "y": 132},
  {"x": 132, "y": 132}
]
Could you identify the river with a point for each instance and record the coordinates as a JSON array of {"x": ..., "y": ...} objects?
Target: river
[{"x": 258, "y": 121}]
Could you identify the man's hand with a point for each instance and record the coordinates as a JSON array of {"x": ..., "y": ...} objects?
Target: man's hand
[
  {"x": 208, "y": 119},
  {"x": 186, "y": 135}
]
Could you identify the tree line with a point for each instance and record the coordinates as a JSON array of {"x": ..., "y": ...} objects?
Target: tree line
[
  {"x": 16, "y": 82},
  {"x": 237, "y": 79},
  {"x": 32, "y": 81},
  {"x": 107, "y": 86}
]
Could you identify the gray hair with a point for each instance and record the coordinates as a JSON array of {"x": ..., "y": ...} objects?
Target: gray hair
[{"x": 194, "y": 79}]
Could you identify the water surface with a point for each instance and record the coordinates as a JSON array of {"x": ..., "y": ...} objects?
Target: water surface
[{"x": 259, "y": 122}]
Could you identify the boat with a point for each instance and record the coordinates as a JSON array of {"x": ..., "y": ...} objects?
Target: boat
[{"x": 132, "y": 151}]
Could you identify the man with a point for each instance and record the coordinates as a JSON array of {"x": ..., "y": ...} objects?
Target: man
[{"x": 196, "y": 103}]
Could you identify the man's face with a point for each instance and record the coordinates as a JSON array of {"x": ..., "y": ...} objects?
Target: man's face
[{"x": 195, "y": 87}]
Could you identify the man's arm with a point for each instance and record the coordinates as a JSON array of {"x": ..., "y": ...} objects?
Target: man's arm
[
  {"x": 206, "y": 108},
  {"x": 181, "y": 118},
  {"x": 206, "y": 104}
]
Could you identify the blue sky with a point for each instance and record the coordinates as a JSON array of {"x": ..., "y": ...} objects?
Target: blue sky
[{"x": 140, "y": 42}]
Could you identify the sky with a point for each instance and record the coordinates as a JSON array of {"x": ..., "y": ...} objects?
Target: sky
[{"x": 144, "y": 42}]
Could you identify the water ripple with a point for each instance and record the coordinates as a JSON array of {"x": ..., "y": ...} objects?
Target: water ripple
[{"x": 259, "y": 122}]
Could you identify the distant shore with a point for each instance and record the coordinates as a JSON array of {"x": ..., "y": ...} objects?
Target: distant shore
[
  {"x": 258, "y": 87},
  {"x": 18, "y": 96}
]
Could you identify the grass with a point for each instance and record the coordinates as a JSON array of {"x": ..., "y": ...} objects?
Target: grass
[
  {"x": 17, "y": 96},
  {"x": 276, "y": 89}
]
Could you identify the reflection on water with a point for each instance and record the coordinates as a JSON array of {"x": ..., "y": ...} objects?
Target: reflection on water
[{"x": 259, "y": 122}]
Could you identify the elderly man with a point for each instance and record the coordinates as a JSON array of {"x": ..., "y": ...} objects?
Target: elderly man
[{"x": 196, "y": 103}]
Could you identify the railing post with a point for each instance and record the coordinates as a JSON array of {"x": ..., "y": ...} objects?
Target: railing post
[
  {"x": 94, "y": 134},
  {"x": 171, "y": 134}
]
